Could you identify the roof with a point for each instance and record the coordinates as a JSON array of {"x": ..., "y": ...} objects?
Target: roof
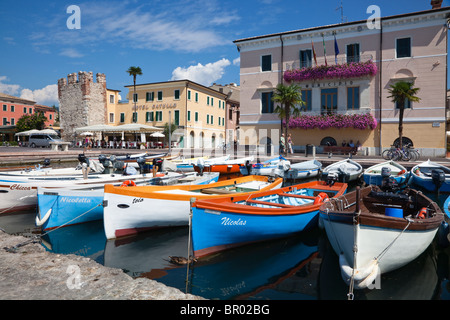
[
  {"x": 6, "y": 97},
  {"x": 404, "y": 15}
]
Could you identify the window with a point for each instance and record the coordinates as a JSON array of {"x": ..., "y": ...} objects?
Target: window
[
  {"x": 13, "y": 109},
  {"x": 149, "y": 96},
  {"x": 189, "y": 115},
  {"x": 111, "y": 117},
  {"x": 159, "y": 116},
  {"x": 135, "y": 116},
  {"x": 160, "y": 95},
  {"x": 305, "y": 58},
  {"x": 196, "y": 97},
  {"x": 196, "y": 117},
  {"x": 122, "y": 117},
  {"x": 111, "y": 98},
  {"x": 207, "y": 101},
  {"x": 407, "y": 104},
  {"x": 50, "y": 116},
  {"x": 24, "y": 110},
  {"x": 266, "y": 63},
  {"x": 135, "y": 97},
  {"x": 328, "y": 100},
  {"x": 353, "y": 98},
  {"x": 212, "y": 119},
  {"x": 189, "y": 95},
  {"x": 306, "y": 97},
  {"x": 353, "y": 52},
  {"x": 403, "y": 48},
  {"x": 177, "y": 117},
  {"x": 5, "y": 121},
  {"x": 176, "y": 94},
  {"x": 207, "y": 119},
  {"x": 266, "y": 102},
  {"x": 212, "y": 102},
  {"x": 13, "y": 122},
  {"x": 5, "y": 107},
  {"x": 30, "y": 110},
  {"x": 149, "y": 116}
]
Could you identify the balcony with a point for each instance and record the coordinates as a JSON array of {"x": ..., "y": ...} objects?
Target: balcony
[{"x": 297, "y": 64}]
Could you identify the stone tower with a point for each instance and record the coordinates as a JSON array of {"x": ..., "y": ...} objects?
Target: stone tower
[{"x": 82, "y": 102}]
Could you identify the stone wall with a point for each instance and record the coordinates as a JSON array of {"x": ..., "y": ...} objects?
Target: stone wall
[{"x": 82, "y": 102}]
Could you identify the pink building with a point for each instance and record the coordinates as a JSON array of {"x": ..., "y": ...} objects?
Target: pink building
[{"x": 410, "y": 47}]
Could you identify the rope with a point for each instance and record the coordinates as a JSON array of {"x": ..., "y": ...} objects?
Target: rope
[
  {"x": 382, "y": 253},
  {"x": 350, "y": 294}
]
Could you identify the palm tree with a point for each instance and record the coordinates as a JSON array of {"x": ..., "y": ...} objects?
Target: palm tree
[
  {"x": 290, "y": 98},
  {"x": 134, "y": 71},
  {"x": 400, "y": 92}
]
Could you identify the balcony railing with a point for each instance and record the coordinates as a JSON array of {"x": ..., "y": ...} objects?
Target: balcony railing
[{"x": 297, "y": 64}]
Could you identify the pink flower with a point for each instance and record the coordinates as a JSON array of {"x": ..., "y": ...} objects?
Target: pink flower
[{"x": 356, "y": 121}]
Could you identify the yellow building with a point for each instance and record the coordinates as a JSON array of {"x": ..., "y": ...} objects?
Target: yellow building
[{"x": 197, "y": 111}]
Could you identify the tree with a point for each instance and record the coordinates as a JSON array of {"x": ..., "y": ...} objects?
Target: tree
[
  {"x": 400, "y": 92},
  {"x": 29, "y": 122},
  {"x": 134, "y": 71},
  {"x": 290, "y": 99},
  {"x": 173, "y": 127}
]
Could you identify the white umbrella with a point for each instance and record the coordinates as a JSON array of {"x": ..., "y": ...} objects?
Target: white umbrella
[
  {"x": 49, "y": 131},
  {"x": 157, "y": 135},
  {"x": 87, "y": 133},
  {"x": 27, "y": 133}
]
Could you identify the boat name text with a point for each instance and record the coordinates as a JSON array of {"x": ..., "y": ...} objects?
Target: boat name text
[
  {"x": 136, "y": 200},
  {"x": 19, "y": 187},
  {"x": 229, "y": 222}
]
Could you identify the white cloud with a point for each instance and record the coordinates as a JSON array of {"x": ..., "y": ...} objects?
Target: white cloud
[
  {"x": 71, "y": 53},
  {"x": 203, "y": 74},
  {"x": 10, "y": 89},
  {"x": 47, "y": 95},
  {"x": 237, "y": 62}
]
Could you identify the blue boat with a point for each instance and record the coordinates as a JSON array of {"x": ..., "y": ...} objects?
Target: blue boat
[
  {"x": 431, "y": 176},
  {"x": 266, "y": 168},
  {"x": 375, "y": 174},
  {"x": 220, "y": 224},
  {"x": 58, "y": 207}
]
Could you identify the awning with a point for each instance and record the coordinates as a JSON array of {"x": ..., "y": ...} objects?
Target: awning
[{"x": 132, "y": 127}]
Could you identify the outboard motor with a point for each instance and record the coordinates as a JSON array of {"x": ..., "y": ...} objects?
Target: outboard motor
[
  {"x": 82, "y": 159},
  {"x": 84, "y": 165},
  {"x": 141, "y": 162},
  {"x": 200, "y": 166},
  {"x": 46, "y": 162},
  {"x": 388, "y": 184},
  {"x": 438, "y": 177},
  {"x": 157, "y": 164},
  {"x": 332, "y": 178},
  {"x": 248, "y": 166}
]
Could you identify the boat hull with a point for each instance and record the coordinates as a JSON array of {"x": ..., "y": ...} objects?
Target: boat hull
[{"x": 128, "y": 212}]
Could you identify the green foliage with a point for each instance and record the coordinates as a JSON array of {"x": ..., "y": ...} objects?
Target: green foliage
[{"x": 29, "y": 122}]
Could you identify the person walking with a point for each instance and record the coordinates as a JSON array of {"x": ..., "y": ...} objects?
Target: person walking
[
  {"x": 290, "y": 142},
  {"x": 282, "y": 144}
]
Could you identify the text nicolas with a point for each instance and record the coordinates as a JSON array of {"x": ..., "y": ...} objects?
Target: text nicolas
[{"x": 230, "y": 222}]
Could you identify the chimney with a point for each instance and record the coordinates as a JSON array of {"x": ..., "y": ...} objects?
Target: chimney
[{"x": 436, "y": 4}]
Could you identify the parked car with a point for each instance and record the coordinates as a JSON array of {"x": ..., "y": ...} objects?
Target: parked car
[{"x": 42, "y": 140}]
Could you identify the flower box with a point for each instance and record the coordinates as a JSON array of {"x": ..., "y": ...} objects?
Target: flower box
[{"x": 339, "y": 121}]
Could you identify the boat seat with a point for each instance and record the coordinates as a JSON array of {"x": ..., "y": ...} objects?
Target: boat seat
[
  {"x": 269, "y": 203},
  {"x": 217, "y": 191}
]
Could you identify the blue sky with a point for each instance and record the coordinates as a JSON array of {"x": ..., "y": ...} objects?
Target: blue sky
[{"x": 189, "y": 39}]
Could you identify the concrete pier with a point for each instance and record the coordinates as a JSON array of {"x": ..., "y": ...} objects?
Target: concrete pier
[{"x": 29, "y": 272}]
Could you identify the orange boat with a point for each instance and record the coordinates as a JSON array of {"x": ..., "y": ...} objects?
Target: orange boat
[{"x": 225, "y": 167}]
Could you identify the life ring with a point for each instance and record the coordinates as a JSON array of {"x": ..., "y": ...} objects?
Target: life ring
[
  {"x": 128, "y": 183},
  {"x": 321, "y": 197},
  {"x": 422, "y": 213}
]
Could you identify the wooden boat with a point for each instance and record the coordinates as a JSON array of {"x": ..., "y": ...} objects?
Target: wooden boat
[
  {"x": 376, "y": 173},
  {"x": 18, "y": 193},
  {"x": 303, "y": 170},
  {"x": 225, "y": 167},
  {"x": 343, "y": 171},
  {"x": 223, "y": 223},
  {"x": 267, "y": 168},
  {"x": 374, "y": 232},
  {"x": 431, "y": 176},
  {"x": 188, "y": 165},
  {"x": 64, "y": 206},
  {"x": 130, "y": 210}
]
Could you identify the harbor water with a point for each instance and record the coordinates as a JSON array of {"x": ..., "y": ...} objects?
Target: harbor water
[{"x": 300, "y": 267}]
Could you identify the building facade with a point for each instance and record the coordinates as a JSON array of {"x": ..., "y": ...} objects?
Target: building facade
[
  {"x": 197, "y": 111},
  {"x": 346, "y": 90},
  {"x": 13, "y": 108}
]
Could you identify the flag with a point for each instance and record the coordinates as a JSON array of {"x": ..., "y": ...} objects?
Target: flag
[
  {"x": 314, "y": 52},
  {"x": 324, "y": 50},
  {"x": 336, "y": 50}
]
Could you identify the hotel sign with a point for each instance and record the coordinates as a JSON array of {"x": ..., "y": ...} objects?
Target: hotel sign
[
  {"x": 159, "y": 106},
  {"x": 329, "y": 84}
]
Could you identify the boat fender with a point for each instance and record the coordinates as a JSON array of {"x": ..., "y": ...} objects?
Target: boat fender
[
  {"x": 321, "y": 197},
  {"x": 128, "y": 183},
  {"x": 422, "y": 213},
  {"x": 40, "y": 222},
  {"x": 362, "y": 277}
]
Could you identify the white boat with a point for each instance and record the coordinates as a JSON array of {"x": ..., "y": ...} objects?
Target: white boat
[
  {"x": 18, "y": 193},
  {"x": 188, "y": 165},
  {"x": 375, "y": 174},
  {"x": 65, "y": 206},
  {"x": 343, "y": 171},
  {"x": 431, "y": 176},
  {"x": 269, "y": 167},
  {"x": 374, "y": 232},
  {"x": 303, "y": 170},
  {"x": 132, "y": 210}
]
